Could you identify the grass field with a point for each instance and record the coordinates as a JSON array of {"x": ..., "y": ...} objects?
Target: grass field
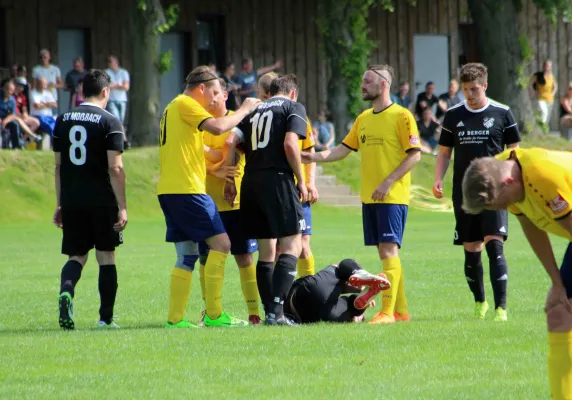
[{"x": 442, "y": 354}]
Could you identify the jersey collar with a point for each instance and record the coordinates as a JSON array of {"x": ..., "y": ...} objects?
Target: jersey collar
[
  {"x": 90, "y": 104},
  {"x": 480, "y": 109}
]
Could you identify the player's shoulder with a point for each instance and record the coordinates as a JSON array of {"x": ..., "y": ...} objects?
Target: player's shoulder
[
  {"x": 495, "y": 105},
  {"x": 457, "y": 109}
]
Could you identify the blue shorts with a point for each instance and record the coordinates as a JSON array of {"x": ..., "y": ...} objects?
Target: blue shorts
[
  {"x": 307, "y": 209},
  {"x": 190, "y": 217},
  {"x": 566, "y": 270},
  {"x": 239, "y": 244},
  {"x": 383, "y": 223}
]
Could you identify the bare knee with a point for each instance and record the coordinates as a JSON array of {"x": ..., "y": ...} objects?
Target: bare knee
[
  {"x": 474, "y": 247},
  {"x": 306, "y": 251},
  {"x": 105, "y": 257},
  {"x": 80, "y": 259},
  {"x": 387, "y": 250},
  {"x": 267, "y": 250},
  {"x": 220, "y": 243},
  {"x": 244, "y": 260},
  {"x": 291, "y": 245}
]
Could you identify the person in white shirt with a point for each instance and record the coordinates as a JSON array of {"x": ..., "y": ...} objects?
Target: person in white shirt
[
  {"x": 117, "y": 104},
  {"x": 50, "y": 73},
  {"x": 41, "y": 104}
]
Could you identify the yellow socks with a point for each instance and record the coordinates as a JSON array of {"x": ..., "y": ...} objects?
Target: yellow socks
[
  {"x": 560, "y": 364},
  {"x": 391, "y": 268},
  {"x": 401, "y": 301},
  {"x": 180, "y": 290},
  {"x": 249, "y": 288},
  {"x": 202, "y": 280},
  {"x": 214, "y": 275},
  {"x": 305, "y": 266}
]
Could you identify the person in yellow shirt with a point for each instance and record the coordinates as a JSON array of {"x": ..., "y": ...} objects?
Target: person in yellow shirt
[
  {"x": 535, "y": 185},
  {"x": 306, "y": 263},
  {"x": 544, "y": 88},
  {"x": 387, "y": 137},
  {"x": 190, "y": 214},
  {"x": 241, "y": 247}
]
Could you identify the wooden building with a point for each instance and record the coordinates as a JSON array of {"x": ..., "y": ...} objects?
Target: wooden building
[{"x": 228, "y": 30}]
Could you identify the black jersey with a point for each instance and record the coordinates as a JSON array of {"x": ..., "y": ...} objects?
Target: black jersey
[
  {"x": 264, "y": 131},
  {"x": 83, "y": 136},
  {"x": 476, "y": 133}
]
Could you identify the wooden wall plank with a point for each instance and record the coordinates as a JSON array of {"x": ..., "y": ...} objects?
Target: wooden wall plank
[
  {"x": 422, "y": 16},
  {"x": 289, "y": 45},
  {"x": 265, "y": 33},
  {"x": 279, "y": 34},
  {"x": 434, "y": 16},
  {"x": 542, "y": 39},
  {"x": 443, "y": 16},
  {"x": 300, "y": 49},
  {"x": 392, "y": 40},
  {"x": 10, "y": 45},
  {"x": 311, "y": 65},
  {"x": 562, "y": 57},
  {"x": 256, "y": 23},
  {"x": 412, "y": 29},
  {"x": 246, "y": 19},
  {"x": 323, "y": 70},
  {"x": 532, "y": 34},
  {"x": 453, "y": 28},
  {"x": 382, "y": 30},
  {"x": 402, "y": 67},
  {"x": 372, "y": 35},
  {"x": 463, "y": 11}
]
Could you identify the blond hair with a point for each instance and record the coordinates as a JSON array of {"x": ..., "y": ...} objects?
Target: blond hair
[
  {"x": 482, "y": 184},
  {"x": 265, "y": 81}
]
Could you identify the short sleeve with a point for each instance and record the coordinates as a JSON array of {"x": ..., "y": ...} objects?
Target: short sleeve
[
  {"x": 407, "y": 131},
  {"x": 126, "y": 76},
  {"x": 297, "y": 121},
  {"x": 56, "y": 136},
  {"x": 554, "y": 189},
  {"x": 447, "y": 138},
  {"x": 510, "y": 129},
  {"x": 192, "y": 113},
  {"x": 35, "y": 73},
  {"x": 114, "y": 135},
  {"x": 58, "y": 72},
  {"x": 308, "y": 141},
  {"x": 513, "y": 209},
  {"x": 351, "y": 140}
]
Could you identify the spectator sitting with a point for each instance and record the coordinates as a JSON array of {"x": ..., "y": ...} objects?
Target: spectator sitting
[
  {"x": 427, "y": 99},
  {"x": 449, "y": 99},
  {"x": 402, "y": 97},
  {"x": 50, "y": 73},
  {"x": 22, "y": 105},
  {"x": 77, "y": 97},
  {"x": 324, "y": 132},
  {"x": 8, "y": 118},
  {"x": 73, "y": 78},
  {"x": 41, "y": 104},
  {"x": 428, "y": 132},
  {"x": 566, "y": 108}
]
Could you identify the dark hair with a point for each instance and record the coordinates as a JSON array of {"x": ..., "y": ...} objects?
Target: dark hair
[
  {"x": 429, "y": 84},
  {"x": 21, "y": 68},
  {"x": 284, "y": 85},
  {"x": 201, "y": 74},
  {"x": 94, "y": 81},
  {"x": 246, "y": 60},
  {"x": 474, "y": 72}
]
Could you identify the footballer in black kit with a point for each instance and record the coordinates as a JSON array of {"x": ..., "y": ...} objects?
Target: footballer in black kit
[
  {"x": 477, "y": 127},
  {"x": 90, "y": 185},
  {"x": 270, "y": 201}
]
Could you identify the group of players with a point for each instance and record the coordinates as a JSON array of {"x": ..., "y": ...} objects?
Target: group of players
[{"x": 249, "y": 164}]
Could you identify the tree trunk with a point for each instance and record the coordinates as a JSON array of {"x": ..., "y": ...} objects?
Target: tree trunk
[
  {"x": 338, "y": 104},
  {"x": 145, "y": 90},
  {"x": 500, "y": 50}
]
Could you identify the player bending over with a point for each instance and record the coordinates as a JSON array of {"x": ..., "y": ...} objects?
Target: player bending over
[
  {"x": 321, "y": 297},
  {"x": 536, "y": 186}
]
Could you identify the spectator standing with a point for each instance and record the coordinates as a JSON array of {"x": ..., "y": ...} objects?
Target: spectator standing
[
  {"x": 325, "y": 133},
  {"x": 120, "y": 82},
  {"x": 233, "y": 101},
  {"x": 78, "y": 98},
  {"x": 73, "y": 78},
  {"x": 544, "y": 89},
  {"x": 449, "y": 99},
  {"x": 428, "y": 132},
  {"x": 50, "y": 73},
  {"x": 402, "y": 97},
  {"x": 427, "y": 99},
  {"x": 41, "y": 104},
  {"x": 248, "y": 78}
]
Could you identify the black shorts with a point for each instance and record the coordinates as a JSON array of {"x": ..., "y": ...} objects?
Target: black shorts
[
  {"x": 474, "y": 228},
  {"x": 270, "y": 205},
  {"x": 86, "y": 228}
]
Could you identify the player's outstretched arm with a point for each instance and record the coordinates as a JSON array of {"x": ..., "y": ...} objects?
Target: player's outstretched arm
[
  {"x": 337, "y": 153},
  {"x": 117, "y": 179},
  {"x": 442, "y": 164},
  {"x": 292, "y": 150},
  {"x": 218, "y": 126},
  {"x": 229, "y": 160},
  {"x": 311, "y": 180}
]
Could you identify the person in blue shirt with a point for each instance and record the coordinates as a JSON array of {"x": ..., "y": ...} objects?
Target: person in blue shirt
[
  {"x": 8, "y": 116},
  {"x": 402, "y": 97},
  {"x": 325, "y": 134},
  {"x": 248, "y": 78}
]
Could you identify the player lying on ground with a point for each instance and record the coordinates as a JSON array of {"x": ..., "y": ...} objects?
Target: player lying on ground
[
  {"x": 90, "y": 191},
  {"x": 321, "y": 297},
  {"x": 536, "y": 186}
]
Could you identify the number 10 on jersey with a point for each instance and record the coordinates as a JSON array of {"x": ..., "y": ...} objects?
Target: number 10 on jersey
[{"x": 261, "y": 123}]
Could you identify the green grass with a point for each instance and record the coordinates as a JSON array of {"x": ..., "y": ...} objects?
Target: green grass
[{"x": 442, "y": 354}]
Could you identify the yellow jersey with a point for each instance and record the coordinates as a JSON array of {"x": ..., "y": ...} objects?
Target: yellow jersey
[
  {"x": 306, "y": 144},
  {"x": 547, "y": 178},
  {"x": 181, "y": 151},
  {"x": 544, "y": 91},
  {"x": 383, "y": 139},
  {"x": 214, "y": 185}
]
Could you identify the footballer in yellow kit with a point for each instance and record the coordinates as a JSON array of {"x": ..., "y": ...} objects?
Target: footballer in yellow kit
[
  {"x": 535, "y": 185},
  {"x": 387, "y": 138}
]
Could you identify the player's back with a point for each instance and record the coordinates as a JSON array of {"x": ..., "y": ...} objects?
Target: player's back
[
  {"x": 83, "y": 136},
  {"x": 264, "y": 132}
]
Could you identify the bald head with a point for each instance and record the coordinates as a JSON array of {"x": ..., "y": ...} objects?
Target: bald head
[{"x": 375, "y": 81}]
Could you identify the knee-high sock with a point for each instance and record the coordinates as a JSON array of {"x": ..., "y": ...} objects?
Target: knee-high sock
[
  {"x": 401, "y": 302},
  {"x": 179, "y": 297},
  {"x": 306, "y": 266},
  {"x": 392, "y": 269},
  {"x": 282, "y": 280},
  {"x": 264, "y": 271},
  {"x": 107, "y": 291},
  {"x": 214, "y": 276},
  {"x": 249, "y": 288},
  {"x": 498, "y": 272},
  {"x": 71, "y": 272},
  {"x": 202, "y": 280},
  {"x": 560, "y": 364},
  {"x": 474, "y": 275}
]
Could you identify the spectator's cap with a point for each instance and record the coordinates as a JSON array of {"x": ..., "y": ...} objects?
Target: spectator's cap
[{"x": 20, "y": 81}]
